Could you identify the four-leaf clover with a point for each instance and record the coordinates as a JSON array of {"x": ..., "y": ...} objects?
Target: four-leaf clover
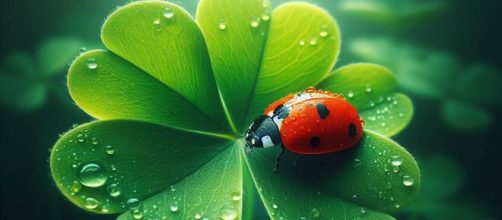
[{"x": 173, "y": 97}]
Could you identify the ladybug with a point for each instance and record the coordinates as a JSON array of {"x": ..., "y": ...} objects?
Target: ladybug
[{"x": 308, "y": 122}]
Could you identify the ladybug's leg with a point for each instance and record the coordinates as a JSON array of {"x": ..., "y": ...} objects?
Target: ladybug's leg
[{"x": 278, "y": 159}]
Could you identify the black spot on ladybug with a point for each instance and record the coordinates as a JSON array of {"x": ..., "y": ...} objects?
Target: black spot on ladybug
[
  {"x": 315, "y": 141},
  {"x": 322, "y": 110},
  {"x": 352, "y": 130},
  {"x": 281, "y": 111}
]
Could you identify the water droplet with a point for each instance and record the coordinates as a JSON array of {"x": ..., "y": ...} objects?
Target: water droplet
[
  {"x": 368, "y": 89},
  {"x": 274, "y": 206},
  {"x": 133, "y": 203},
  {"x": 236, "y": 196},
  {"x": 357, "y": 162},
  {"x": 222, "y": 25},
  {"x": 228, "y": 212},
  {"x": 363, "y": 210},
  {"x": 316, "y": 214},
  {"x": 350, "y": 94},
  {"x": 265, "y": 16},
  {"x": 168, "y": 13},
  {"x": 92, "y": 64},
  {"x": 302, "y": 42},
  {"x": 407, "y": 180},
  {"x": 173, "y": 189},
  {"x": 397, "y": 205},
  {"x": 92, "y": 175},
  {"x": 396, "y": 160},
  {"x": 113, "y": 190},
  {"x": 401, "y": 114},
  {"x": 91, "y": 203},
  {"x": 109, "y": 150},
  {"x": 383, "y": 124},
  {"x": 95, "y": 141},
  {"x": 323, "y": 33},
  {"x": 198, "y": 215},
  {"x": 76, "y": 187},
  {"x": 137, "y": 214},
  {"x": 174, "y": 208},
  {"x": 156, "y": 21},
  {"x": 313, "y": 41},
  {"x": 82, "y": 50},
  {"x": 254, "y": 22}
]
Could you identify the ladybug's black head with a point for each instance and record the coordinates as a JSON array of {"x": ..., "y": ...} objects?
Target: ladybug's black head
[{"x": 263, "y": 133}]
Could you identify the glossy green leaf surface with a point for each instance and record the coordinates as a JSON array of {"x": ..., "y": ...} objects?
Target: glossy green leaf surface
[
  {"x": 389, "y": 116},
  {"x": 163, "y": 40},
  {"x": 243, "y": 26},
  {"x": 363, "y": 84},
  {"x": 371, "y": 89},
  {"x": 377, "y": 174},
  {"x": 214, "y": 191},
  {"x": 302, "y": 46},
  {"x": 55, "y": 54},
  {"x": 103, "y": 165},
  {"x": 108, "y": 87}
]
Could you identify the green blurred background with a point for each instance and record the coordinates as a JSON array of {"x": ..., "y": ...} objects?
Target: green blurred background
[{"x": 445, "y": 53}]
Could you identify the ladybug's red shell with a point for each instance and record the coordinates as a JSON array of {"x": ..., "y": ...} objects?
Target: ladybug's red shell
[{"x": 318, "y": 123}]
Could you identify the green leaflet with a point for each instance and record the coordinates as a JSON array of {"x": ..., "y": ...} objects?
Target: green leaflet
[
  {"x": 163, "y": 40},
  {"x": 348, "y": 184},
  {"x": 214, "y": 191},
  {"x": 136, "y": 159},
  {"x": 243, "y": 27},
  {"x": 302, "y": 46},
  {"x": 108, "y": 87},
  {"x": 372, "y": 90}
]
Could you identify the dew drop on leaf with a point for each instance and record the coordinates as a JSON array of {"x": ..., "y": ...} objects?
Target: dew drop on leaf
[
  {"x": 173, "y": 188},
  {"x": 274, "y": 206},
  {"x": 236, "y": 196},
  {"x": 265, "y": 16},
  {"x": 92, "y": 64},
  {"x": 396, "y": 160},
  {"x": 76, "y": 187},
  {"x": 254, "y": 22},
  {"x": 113, "y": 190},
  {"x": 198, "y": 215},
  {"x": 92, "y": 175},
  {"x": 109, "y": 150},
  {"x": 222, "y": 25},
  {"x": 168, "y": 13},
  {"x": 407, "y": 180},
  {"x": 350, "y": 94},
  {"x": 133, "y": 203},
  {"x": 368, "y": 89},
  {"x": 228, "y": 212},
  {"x": 82, "y": 50},
  {"x": 313, "y": 41},
  {"x": 91, "y": 203},
  {"x": 174, "y": 208},
  {"x": 137, "y": 214},
  {"x": 301, "y": 43}
]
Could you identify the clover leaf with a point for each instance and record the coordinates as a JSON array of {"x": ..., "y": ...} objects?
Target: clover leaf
[
  {"x": 26, "y": 81},
  {"x": 467, "y": 94},
  {"x": 173, "y": 96}
]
